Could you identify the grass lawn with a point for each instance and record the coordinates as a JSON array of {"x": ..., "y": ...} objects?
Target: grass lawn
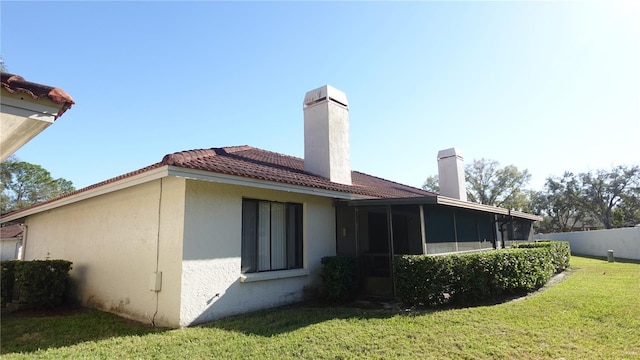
[{"x": 594, "y": 313}]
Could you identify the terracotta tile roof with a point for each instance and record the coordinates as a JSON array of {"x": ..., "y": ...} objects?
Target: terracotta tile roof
[
  {"x": 16, "y": 84},
  {"x": 260, "y": 164},
  {"x": 11, "y": 231},
  {"x": 250, "y": 162}
]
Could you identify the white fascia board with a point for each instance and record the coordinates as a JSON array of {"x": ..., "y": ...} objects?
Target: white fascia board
[
  {"x": 17, "y": 238},
  {"x": 20, "y": 112},
  {"x": 124, "y": 183},
  {"x": 29, "y": 109},
  {"x": 262, "y": 184}
]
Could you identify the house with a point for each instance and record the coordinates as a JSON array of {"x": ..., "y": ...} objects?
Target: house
[
  {"x": 26, "y": 110},
  {"x": 11, "y": 242},
  {"x": 205, "y": 234}
]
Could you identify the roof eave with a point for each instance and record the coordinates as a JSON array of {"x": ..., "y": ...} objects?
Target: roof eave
[
  {"x": 124, "y": 183},
  {"x": 524, "y": 215},
  {"x": 22, "y": 120},
  {"x": 262, "y": 184},
  {"x": 169, "y": 170}
]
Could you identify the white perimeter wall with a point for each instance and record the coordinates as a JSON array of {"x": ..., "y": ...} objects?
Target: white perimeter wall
[
  {"x": 624, "y": 242},
  {"x": 211, "y": 286},
  {"x": 115, "y": 244}
]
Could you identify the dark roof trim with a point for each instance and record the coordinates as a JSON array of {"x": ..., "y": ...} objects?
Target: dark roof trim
[
  {"x": 523, "y": 215},
  {"x": 438, "y": 200}
]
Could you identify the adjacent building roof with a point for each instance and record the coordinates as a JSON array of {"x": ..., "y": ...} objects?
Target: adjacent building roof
[
  {"x": 16, "y": 84},
  {"x": 26, "y": 109},
  {"x": 11, "y": 231},
  {"x": 253, "y": 163}
]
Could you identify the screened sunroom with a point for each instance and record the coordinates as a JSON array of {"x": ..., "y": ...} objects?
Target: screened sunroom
[{"x": 377, "y": 229}]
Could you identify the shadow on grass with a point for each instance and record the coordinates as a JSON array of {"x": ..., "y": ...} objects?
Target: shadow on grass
[
  {"x": 30, "y": 331},
  {"x": 290, "y": 318},
  {"x": 604, "y": 259}
]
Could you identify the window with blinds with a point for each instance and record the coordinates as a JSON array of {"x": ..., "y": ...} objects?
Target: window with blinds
[{"x": 271, "y": 236}]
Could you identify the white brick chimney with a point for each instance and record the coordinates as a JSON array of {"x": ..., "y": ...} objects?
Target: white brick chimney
[
  {"x": 451, "y": 174},
  {"x": 326, "y": 134}
]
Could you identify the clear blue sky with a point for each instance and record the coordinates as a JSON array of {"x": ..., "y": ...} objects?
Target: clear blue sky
[{"x": 546, "y": 86}]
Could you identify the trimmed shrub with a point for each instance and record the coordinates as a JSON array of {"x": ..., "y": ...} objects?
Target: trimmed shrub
[
  {"x": 7, "y": 279},
  {"x": 521, "y": 270},
  {"x": 41, "y": 283},
  {"x": 339, "y": 277},
  {"x": 473, "y": 278},
  {"x": 560, "y": 251},
  {"x": 423, "y": 280}
]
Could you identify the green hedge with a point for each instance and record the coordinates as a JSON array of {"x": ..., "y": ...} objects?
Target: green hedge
[
  {"x": 423, "y": 279},
  {"x": 560, "y": 251},
  {"x": 339, "y": 277},
  {"x": 472, "y": 278},
  {"x": 7, "y": 279},
  {"x": 41, "y": 283}
]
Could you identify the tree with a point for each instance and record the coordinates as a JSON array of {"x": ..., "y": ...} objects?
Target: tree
[
  {"x": 431, "y": 184},
  {"x": 25, "y": 184},
  {"x": 627, "y": 214},
  {"x": 608, "y": 193},
  {"x": 487, "y": 183},
  {"x": 607, "y": 199},
  {"x": 559, "y": 203}
]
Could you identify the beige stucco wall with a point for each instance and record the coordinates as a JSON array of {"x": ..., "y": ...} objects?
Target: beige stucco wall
[
  {"x": 211, "y": 285},
  {"x": 190, "y": 231},
  {"x": 115, "y": 244}
]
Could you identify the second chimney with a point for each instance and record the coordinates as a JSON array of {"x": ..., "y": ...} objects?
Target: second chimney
[
  {"x": 451, "y": 174},
  {"x": 326, "y": 134}
]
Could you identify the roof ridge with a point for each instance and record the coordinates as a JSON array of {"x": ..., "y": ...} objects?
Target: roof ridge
[
  {"x": 180, "y": 157},
  {"x": 184, "y": 156},
  {"x": 237, "y": 148},
  {"x": 281, "y": 154},
  {"x": 394, "y": 182}
]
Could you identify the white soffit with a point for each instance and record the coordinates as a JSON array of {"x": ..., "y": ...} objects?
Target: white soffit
[{"x": 21, "y": 121}]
